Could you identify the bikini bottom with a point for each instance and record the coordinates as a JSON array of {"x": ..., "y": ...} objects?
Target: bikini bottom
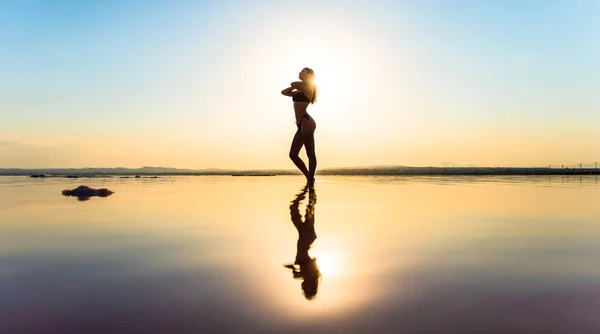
[{"x": 299, "y": 124}]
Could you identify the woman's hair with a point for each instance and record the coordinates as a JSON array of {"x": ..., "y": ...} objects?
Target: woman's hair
[
  {"x": 311, "y": 74},
  {"x": 311, "y": 276}
]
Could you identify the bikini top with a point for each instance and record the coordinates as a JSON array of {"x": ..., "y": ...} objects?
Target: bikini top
[{"x": 300, "y": 97}]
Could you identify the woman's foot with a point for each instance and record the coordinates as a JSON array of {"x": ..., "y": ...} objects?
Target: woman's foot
[{"x": 310, "y": 183}]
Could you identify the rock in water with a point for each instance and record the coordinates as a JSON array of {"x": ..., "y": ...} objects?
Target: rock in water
[{"x": 84, "y": 192}]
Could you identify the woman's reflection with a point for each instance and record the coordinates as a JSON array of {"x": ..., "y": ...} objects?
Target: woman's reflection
[{"x": 305, "y": 267}]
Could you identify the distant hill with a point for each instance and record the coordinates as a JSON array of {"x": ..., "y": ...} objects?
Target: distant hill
[
  {"x": 146, "y": 170},
  {"x": 369, "y": 170}
]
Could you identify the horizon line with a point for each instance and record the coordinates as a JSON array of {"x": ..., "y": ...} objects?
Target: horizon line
[{"x": 550, "y": 166}]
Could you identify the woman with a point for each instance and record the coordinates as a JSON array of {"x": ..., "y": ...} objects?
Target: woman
[
  {"x": 303, "y": 93},
  {"x": 305, "y": 267}
]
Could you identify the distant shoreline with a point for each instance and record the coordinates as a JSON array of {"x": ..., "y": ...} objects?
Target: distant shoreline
[{"x": 359, "y": 171}]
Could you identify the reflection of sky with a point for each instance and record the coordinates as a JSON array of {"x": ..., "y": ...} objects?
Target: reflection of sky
[{"x": 206, "y": 254}]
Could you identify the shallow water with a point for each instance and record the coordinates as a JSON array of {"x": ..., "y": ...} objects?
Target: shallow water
[{"x": 395, "y": 254}]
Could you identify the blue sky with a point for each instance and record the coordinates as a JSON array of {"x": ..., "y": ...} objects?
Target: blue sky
[{"x": 196, "y": 84}]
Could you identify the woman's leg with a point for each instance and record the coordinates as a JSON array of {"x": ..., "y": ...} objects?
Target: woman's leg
[
  {"x": 307, "y": 132},
  {"x": 294, "y": 150}
]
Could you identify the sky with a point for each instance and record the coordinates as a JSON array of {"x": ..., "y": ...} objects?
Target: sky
[{"x": 196, "y": 84}]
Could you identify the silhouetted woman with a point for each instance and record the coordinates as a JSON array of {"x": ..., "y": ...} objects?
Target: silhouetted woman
[
  {"x": 303, "y": 93},
  {"x": 304, "y": 266}
]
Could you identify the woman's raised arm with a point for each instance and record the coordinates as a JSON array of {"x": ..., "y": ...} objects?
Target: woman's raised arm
[
  {"x": 288, "y": 91},
  {"x": 299, "y": 85}
]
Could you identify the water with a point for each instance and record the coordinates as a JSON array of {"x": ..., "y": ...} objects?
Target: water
[{"x": 395, "y": 254}]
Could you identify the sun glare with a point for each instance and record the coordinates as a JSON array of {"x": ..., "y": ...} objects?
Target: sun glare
[
  {"x": 331, "y": 264},
  {"x": 342, "y": 58},
  {"x": 330, "y": 78}
]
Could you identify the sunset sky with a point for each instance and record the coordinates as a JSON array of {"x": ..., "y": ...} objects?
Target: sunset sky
[{"x": 196, "y": 84}]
